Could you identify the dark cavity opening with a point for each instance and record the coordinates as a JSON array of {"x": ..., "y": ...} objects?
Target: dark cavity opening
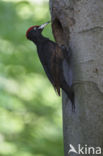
[{"x": 58, "y": 31}]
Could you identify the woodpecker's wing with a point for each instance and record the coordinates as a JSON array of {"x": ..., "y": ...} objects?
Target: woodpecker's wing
[
  {"x": 48, "y": 73},
  {"x": 56, "y": 67}
]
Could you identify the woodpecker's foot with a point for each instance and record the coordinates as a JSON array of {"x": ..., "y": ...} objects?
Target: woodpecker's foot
[{"x": 67, "y": 52}]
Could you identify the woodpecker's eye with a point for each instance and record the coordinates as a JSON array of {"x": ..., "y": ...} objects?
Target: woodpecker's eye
[{"x": 35, "y": 28}]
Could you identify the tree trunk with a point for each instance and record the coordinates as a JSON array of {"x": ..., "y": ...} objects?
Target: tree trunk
[{"x": 79, "y": 24}]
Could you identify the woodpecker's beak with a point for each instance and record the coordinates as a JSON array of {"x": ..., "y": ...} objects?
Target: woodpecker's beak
[{"x": 43, "y": 25}]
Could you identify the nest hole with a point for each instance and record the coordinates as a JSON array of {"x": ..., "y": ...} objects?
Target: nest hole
[{"x": 58, "y": 31}]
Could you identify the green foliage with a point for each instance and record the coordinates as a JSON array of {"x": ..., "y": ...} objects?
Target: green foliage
[{"x": 30, "y": 112}]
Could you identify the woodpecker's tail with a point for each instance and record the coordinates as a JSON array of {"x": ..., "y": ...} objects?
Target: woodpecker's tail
[
  {"x": 72, "y": 98},
  {"x": 70, "y": 93}
]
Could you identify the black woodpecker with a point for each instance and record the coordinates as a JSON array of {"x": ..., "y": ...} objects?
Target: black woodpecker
[{"x": 51, "y": 56}]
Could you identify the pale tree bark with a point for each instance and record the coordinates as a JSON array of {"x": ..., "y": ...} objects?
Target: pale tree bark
[{"x": 79, "y": 24}]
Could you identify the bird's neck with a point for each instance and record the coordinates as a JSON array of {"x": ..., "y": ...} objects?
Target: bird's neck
[{"x": 39, "y": 40}]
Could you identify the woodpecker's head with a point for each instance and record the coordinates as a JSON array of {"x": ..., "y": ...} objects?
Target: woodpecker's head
[{"x": 35, "y": 31}]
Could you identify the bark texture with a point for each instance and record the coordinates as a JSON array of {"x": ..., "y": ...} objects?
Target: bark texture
[{"x": 79, "y": 23}]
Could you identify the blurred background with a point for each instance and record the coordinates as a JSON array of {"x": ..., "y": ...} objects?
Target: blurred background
[{"x": 30, "y": 111}]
